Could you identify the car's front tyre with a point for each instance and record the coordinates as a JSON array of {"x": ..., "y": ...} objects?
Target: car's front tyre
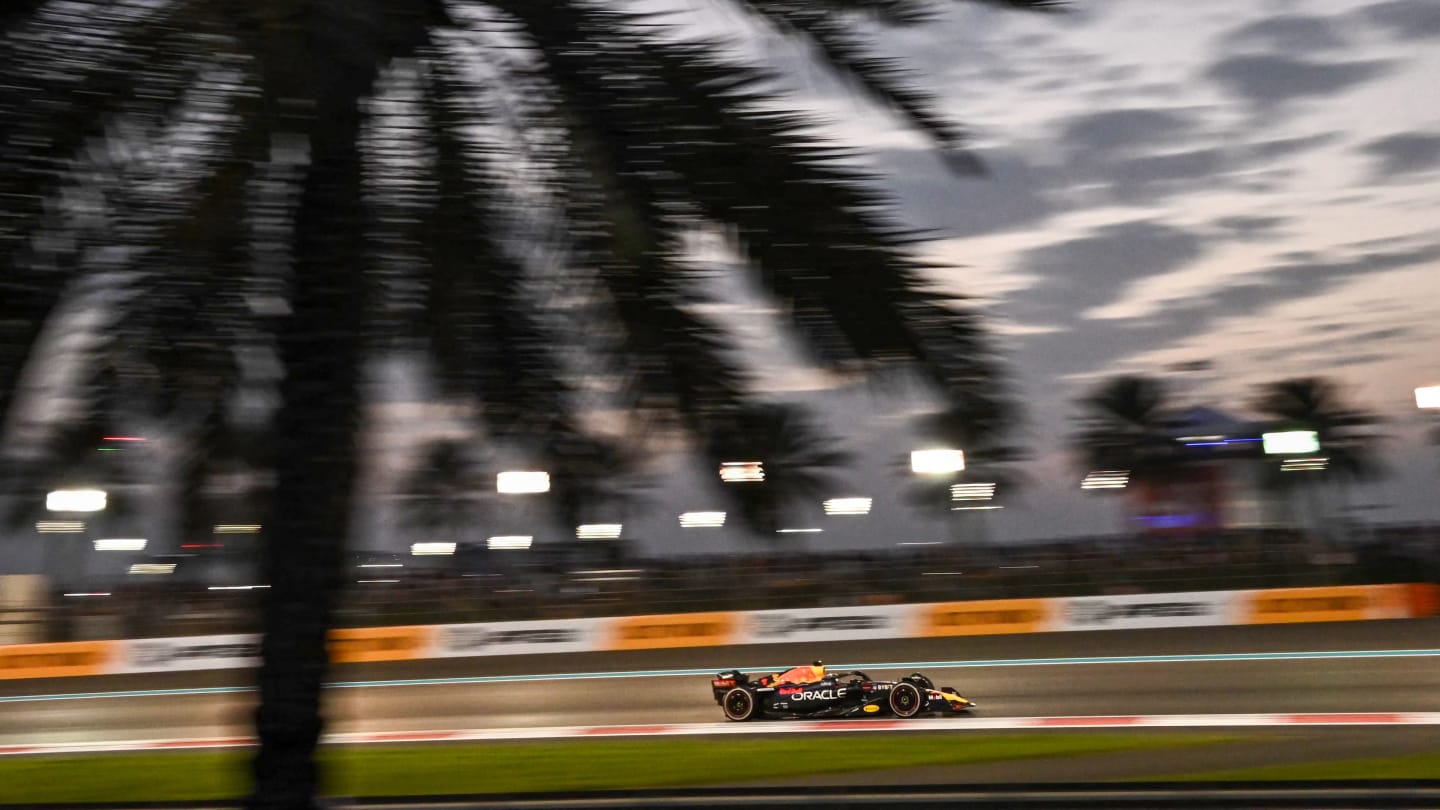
[
  {"x": 906, "y": 699},
  {"x": 739, "y": 704}
]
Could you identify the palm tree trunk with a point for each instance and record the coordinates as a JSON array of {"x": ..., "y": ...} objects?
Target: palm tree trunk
[{"x": 315, "y": 455}]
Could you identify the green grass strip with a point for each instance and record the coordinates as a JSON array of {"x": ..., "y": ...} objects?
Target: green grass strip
[
  {"x": 1408, "y": 766},
  {"x": 525, "y": 767}
]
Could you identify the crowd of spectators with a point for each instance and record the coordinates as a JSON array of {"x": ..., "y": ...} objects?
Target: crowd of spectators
[{"x": 554, "y": 586}]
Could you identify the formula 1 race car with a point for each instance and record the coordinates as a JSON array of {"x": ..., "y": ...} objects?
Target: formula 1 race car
[{"x": 812, "y": 692}]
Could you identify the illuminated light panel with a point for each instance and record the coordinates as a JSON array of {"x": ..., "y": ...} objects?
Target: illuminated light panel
[
  {"x": 943, "y": 574},
  {"x": 1291, "y": 442},
  {"x": 598, "y": 531},
  {"x": 76, "y": 500},
  {"x": 120, "y": 544},
  {"x": 152, "y": 569},
  {"x": 382, "y": 565},
  {"x": 201, "y": 545},
  {"x": 1427, "y": 397},
  {"x": 1304, "y": 464},
  {"x": 123, "y": 439},
  {"x": 90, "y": 593},
  {"x": 60, "y": 526},
  {"x": 973, "y": 508},
  {"x": 431, "y": 549},
  {"x": 1106, "y": 479},
  {"x": 798, "y": 531},
  {"x": 517, "y": 482},
  {"x": 847, "y": 506},
  {"x": 972, "y": 492},
  {"x": 742, "y": 472},
  {"x": 920, "y": 543},
  {"x": 702, "y": 520},
  {"x": 509, "y": 542},
  {"x": 937, "y": 461},
  {"x": 238, "y": 528},
  {"x": 237, "y": 587},
  {"x": 377, "y": 581}
]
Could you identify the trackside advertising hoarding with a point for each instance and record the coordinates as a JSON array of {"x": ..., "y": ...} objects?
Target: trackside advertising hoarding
[
  {"x": 192, "y": 653},
  {"x": 828, "y": 624},
  {"x": 724, "y": 628},
  {"x": 517, "y": 638},
  {"x": 1198, "y": 609}
]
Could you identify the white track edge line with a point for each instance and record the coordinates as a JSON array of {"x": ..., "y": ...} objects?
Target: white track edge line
[{"x": 782, "y": 727}]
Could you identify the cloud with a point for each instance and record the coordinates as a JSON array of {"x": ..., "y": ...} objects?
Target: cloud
[
  {"x": 1012, "y": 196},
  {"x": 1293, "y": 281},
  {"x": 1150, "y": 178},
  {"x": 1271, "y": 80},
  {"x": 1095, "y": 269},
  {"x": 1089, "y": 345},
  {"x": 1249, "y": 227},
  {"x": 1288, "y": 147},
  {"x": 1406, "y": 19},
  {"x": 1404, "y": 153},
  {"x": 1291, "y": 32},
  {"x": 1124, "y": 130}
]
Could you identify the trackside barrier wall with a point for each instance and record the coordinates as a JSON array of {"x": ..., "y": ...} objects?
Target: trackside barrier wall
[{"x": 722, "y": 628}]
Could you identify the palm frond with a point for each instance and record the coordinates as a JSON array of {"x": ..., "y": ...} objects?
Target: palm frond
[
  {"x": 886, "y": 81},
  {"x": 797, "y": 459}
]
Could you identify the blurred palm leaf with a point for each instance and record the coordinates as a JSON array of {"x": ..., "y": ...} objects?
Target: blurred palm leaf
[{"x": 630, "y": 139}]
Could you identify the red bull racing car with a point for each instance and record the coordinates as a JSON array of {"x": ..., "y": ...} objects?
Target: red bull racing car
[{"x": 812, "y": 692}]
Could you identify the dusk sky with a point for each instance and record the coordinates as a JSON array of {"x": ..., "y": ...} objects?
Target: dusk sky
[{"x": 1248, "y": 183}]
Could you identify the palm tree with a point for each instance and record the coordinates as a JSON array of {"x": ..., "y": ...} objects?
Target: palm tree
[
  {"x": 336, "y": 161},
  {"x": 1347, "y": 436},
  {"x": 1125, "y": 427},
  {"x": 982, "y": 429},
  {"x": 441, "y": 493},
  {"x": 793, "y": 458}
]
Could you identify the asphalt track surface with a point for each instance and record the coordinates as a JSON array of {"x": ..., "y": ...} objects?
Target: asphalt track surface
[{"x": 1199, "y": 671}]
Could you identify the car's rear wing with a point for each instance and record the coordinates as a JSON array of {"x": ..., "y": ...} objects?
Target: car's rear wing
[{"x": 725, "y": 681}]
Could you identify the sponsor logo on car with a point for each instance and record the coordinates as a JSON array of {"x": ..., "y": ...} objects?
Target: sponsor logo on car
[{"x": 813, "y": 694}]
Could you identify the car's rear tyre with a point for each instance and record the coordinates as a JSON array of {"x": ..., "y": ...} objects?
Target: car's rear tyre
[
  {"x": 739, "y": 704},
  {"x": 906, "y": 700}
]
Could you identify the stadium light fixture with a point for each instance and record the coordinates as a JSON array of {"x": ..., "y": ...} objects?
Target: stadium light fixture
[
  {"x": 598, "y": 531},
  {"x": 1106, "y": 479},
  {"x": 60, "y": 526},
  {"x": 518, "y": 482},
  {"x": 972, "y": 492},
  {"x": 76, "y": 500},
  {"x": 702, "y": 520},
  {"x": 153, "y": 568},
  {"x": 120, "y": 544},
  {"x": 432, "y": 549},
  {"x": 509, "y": 542},
  {"x": 742, "y": 472},
  {"x": 1291, "y": 442},
  {"x": 847, "y": 506},
  {"x": 237, "y": 528},
  {"x": 937, "y": 461},
  {"x": 1427, "y": 397}
]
